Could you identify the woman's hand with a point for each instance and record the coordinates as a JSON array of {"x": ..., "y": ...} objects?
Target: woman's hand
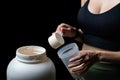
[
  {"x": 84, "y": 61},
  {"x": 67, "y": 30}
]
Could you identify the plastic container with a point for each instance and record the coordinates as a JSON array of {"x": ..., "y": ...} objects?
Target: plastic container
[
  {"x": 31, "y": 63},
  {"x": 65, "y": 53}
]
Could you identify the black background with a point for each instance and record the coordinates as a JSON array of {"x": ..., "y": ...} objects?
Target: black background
[{"x": 31, "y": 23}]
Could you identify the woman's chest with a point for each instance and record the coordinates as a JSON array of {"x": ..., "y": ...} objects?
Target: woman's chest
[{"x": 105, "y": 24}]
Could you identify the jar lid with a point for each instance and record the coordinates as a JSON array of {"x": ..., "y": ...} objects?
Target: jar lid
[{"x": 31, "y": 54}]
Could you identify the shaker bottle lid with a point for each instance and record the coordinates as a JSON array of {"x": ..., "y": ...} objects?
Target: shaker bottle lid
[{"x": 67, "y": 50}]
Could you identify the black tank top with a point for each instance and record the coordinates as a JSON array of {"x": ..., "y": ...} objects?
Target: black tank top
[{"x": 101, "y": 30}]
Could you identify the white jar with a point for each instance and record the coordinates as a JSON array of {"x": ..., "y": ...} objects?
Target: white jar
[{"x": 31, "y": 63}]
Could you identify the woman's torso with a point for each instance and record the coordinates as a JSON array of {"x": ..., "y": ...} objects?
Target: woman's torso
[
  {"x": 101, "y": 32},
  {"x": 100, "y": 22}
]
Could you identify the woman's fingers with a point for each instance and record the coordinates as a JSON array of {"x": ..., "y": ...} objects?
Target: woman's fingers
[
  {"x": 78, "y": 69},
  {"x": 82, "y": 68},
  {"x": 66, "y": 29},
  {"x": 76, "y": 63},
  {"x": 77, "y": 58}
]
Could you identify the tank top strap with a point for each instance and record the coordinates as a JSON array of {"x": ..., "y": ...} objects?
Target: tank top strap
[{"x": 86, "y": 3}]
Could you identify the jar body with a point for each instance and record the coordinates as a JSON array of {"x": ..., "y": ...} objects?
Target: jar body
[{"x": 20, "y": 70}]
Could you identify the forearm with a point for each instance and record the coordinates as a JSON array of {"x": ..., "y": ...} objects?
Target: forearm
[{"x": 109, "y": 56}]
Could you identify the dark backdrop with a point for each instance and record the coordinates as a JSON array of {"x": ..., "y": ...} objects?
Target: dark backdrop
[{"x": 31, "y": 23}]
